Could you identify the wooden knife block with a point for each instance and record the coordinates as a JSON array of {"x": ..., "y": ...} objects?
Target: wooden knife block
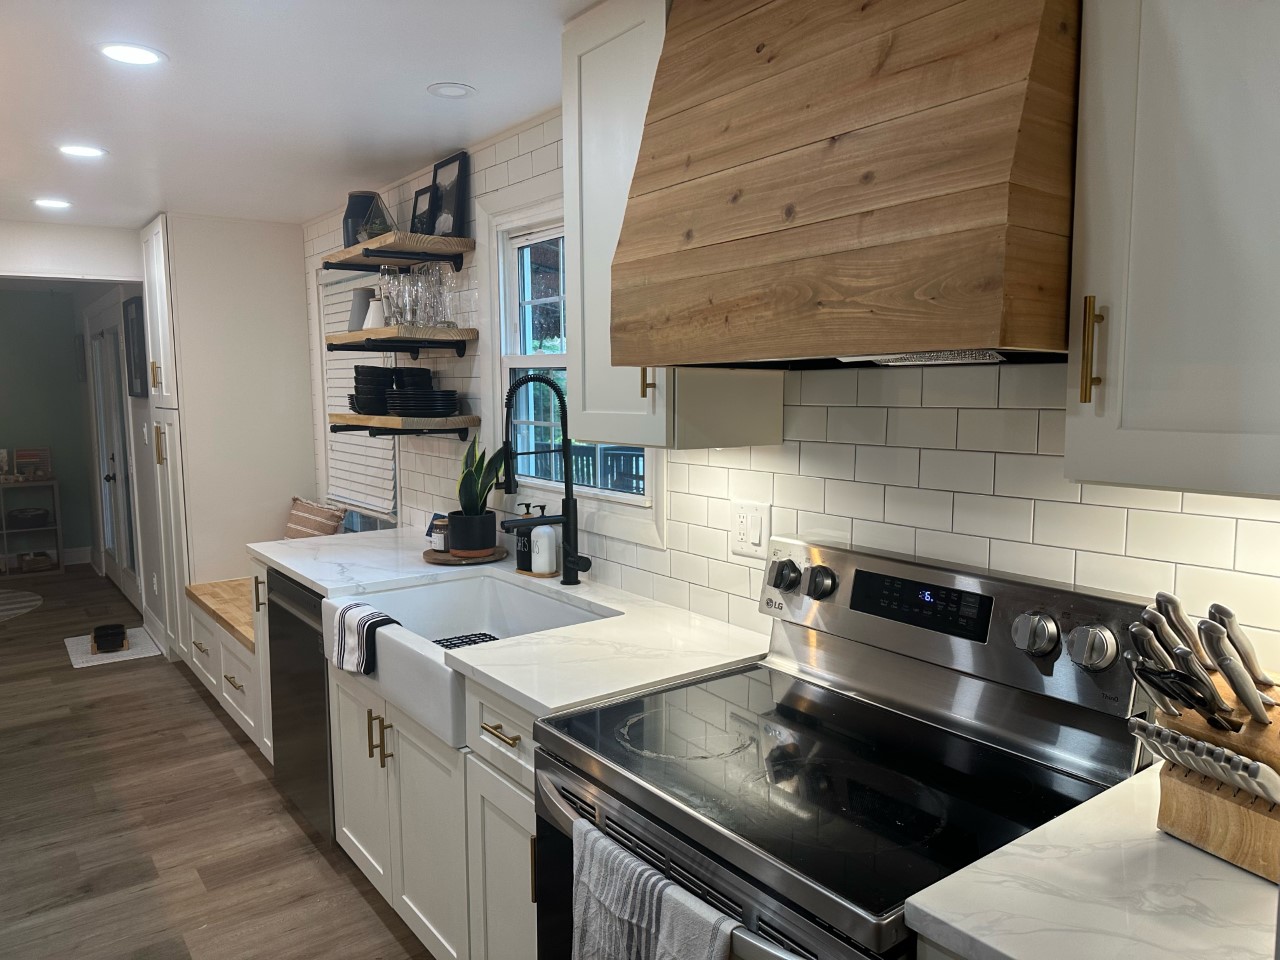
[{"x": 1230, "y": 824}]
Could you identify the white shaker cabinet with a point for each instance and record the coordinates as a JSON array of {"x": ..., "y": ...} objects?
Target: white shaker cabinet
[
  {"x": 360, "y": 783},
  {"x": 161, "y": 353},
  {"x": 501, "y": 826},
  {"x": 610, "y": 55},
  {"x": 167, "y": 441},
  {"x": 262, "y": 647},
  {"x": 1177, "y": 236}
]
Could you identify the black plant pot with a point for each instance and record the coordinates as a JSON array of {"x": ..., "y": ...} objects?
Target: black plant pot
[{"x": 472, "y": 537}]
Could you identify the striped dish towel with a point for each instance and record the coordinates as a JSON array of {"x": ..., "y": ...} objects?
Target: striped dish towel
[
  {"x": 354, "y": 627},
  {"x": 623, "y": 909}
]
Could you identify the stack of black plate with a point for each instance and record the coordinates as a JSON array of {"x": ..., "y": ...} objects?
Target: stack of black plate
[
  {"x": 413, "y": 378},
  {"x": 372, "y": 384},
  {"x": 422, "y": 403}
]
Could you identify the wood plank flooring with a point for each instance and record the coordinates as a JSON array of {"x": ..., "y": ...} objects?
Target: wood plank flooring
[{"x": 137, "y": 822}]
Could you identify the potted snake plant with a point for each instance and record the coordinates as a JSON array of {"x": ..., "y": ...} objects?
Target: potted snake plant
[{"x": 473, "y": 527}]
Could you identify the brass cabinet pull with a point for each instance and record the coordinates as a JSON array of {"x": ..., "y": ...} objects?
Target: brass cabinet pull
[
  {"x": 160, "y": 457},
  {"x": 232, "y": 680},
  {"x": 646, "y": 384},
  {"x": 1087, "y": 380},
  {"x": 383, "y": 756},
  {"x": 258, "y": 603},
  {"x": 368, "y": 726},
  {"x": 533, "y": 869},
  {"x": 155, "y": 375},
  {"x": 200, "y": 646},
  {"x": 495, "y": 730}
]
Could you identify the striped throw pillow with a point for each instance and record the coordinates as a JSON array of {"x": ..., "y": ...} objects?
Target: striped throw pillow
[{"x": 310, "y": 519}]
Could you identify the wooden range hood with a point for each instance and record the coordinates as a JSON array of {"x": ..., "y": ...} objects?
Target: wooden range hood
[{"x": 840, "y": 178}]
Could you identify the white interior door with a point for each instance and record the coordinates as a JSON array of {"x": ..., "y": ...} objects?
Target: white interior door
[{"x": 119, "y": 547}]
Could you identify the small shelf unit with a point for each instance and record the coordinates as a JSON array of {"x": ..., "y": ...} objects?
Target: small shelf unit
[
  {"x": 14, "y": 540},
  {"x": 459, "y": 425},
  {"x": 400, "y": 249},
  {"x": 403, "y": 339}
]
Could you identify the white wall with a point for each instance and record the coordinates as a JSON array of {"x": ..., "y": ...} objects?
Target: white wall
[{"x": 65, "y": 250}]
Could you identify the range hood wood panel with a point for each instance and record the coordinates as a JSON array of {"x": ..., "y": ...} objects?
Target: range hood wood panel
[{"x": 819, "y": 178}]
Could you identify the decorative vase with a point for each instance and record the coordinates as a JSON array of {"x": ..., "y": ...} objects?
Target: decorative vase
[{"x": 473, "y": 537}]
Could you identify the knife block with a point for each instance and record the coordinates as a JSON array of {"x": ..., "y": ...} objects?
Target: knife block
[{"x": 1214, "y": 816}]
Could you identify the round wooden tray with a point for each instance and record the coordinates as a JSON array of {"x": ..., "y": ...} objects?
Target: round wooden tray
[{"x": 442, "y": 559}]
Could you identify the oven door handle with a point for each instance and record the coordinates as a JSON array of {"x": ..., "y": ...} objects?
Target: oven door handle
[
  {"x": 559, "y": 810},
  {"x": 745, "y": 945}
]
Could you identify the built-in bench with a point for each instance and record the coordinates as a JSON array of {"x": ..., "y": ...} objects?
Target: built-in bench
[
  {"x": 230, "y": 604},
  {"x": 223, "y": 653}
]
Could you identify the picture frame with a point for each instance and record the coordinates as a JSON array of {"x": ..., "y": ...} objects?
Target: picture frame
[
  {"x": 448, "y": 212},
  {"x": 420, "y": 220}
]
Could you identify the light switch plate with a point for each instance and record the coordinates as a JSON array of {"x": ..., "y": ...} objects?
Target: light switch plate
[{"x": 749, "y": 531}]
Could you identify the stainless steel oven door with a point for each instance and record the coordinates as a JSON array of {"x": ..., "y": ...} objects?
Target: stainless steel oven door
[{"x": 771, "y": 929}]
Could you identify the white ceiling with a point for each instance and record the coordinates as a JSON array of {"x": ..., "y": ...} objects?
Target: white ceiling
[{"x": 268, "y": 109}]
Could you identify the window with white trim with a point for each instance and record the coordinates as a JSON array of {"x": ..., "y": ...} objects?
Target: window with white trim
[{"x": 533, "y": 324}]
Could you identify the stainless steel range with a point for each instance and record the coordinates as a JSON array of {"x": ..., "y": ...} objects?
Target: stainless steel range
[{"x": 909, "y": 720}]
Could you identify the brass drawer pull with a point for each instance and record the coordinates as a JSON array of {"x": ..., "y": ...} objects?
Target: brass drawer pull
[
  {"x": 258, "y": 603},
  {"x": 159, "y": 446},
  {"x": 155, "y": 375},
  {"x": 368, "y": 726},
  {"x": 495, "y": 730},
  {"x": 200, "y": 646},
  {"x": 1087, "y": 380},
  {"x": 383, "y": 756},
  {"x": 646, "y": 384},
  {"x": 232, "y": 680}
]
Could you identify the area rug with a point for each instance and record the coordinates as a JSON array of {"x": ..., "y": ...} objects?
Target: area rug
[
  {"x": 140, "y": 645},
  {"x": 14, "y": 603}
]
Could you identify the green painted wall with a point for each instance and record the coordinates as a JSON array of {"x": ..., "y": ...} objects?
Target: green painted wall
[{"x": 44, "y": 403}]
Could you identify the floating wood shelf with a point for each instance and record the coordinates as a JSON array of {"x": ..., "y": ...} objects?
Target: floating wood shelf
[
  {"x": 400, "y": 249},
  {"x": 459, "y": 425},
  {"x": 403, "y": 339}
]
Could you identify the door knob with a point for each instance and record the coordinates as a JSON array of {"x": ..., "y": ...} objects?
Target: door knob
[{"x": 110, "y": 478}]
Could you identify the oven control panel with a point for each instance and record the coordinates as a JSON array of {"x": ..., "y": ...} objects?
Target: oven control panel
[{"x": 960, "y": 613}]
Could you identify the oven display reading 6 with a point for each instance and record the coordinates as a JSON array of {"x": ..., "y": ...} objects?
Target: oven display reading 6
[{"x": 955, "y": 612}]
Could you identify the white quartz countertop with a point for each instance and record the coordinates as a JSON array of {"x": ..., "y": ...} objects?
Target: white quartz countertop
[
  {"x": 1101, "y": 882},
  {"x": 650, "y": 644}
]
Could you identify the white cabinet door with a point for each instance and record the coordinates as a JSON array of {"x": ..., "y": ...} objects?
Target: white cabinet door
[
  {"x": 360, "y": 794},
  {"x": 262, "y": 646},
  {"x": 429, "y": 837},
  {"x": 159, "y": 318},
  {"x": 610, "y": 55},
  {"x": 167, "y": 439},
  {"x": 1177, "y": 206},
  {"x": 501, "y": 826}
]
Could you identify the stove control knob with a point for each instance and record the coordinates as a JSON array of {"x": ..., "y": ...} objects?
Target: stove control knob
[
  {"x": 821, "y": 583},
  {"x": 1036, "y": 634},
  {"x": 1092, "y": 647},
  {"x": 784, "y": 575}
]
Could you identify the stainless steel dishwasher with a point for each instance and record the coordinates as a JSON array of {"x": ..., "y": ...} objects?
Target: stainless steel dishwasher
[{"x": 300, "y": 700}]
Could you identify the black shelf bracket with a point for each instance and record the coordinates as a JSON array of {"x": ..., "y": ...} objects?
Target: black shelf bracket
[
  {"x": 461, "y": 433},
  {"x": 411, "y": 346},
  {"x": 417, "y": 256}
]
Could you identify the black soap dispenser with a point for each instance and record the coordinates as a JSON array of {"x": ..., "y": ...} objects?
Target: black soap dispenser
[{"x": 524, "y": 541}]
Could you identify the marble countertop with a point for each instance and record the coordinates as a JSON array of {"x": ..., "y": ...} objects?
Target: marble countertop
[
  {"x": 1101, "y": 882},
  {"x": 649, "y": 644}
]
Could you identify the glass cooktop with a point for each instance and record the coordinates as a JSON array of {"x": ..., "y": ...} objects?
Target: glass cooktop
[{"x": 873, "y": 805}]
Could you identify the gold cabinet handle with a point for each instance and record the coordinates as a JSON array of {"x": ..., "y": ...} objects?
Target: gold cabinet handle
[
  {"x": 495, "y": 730},
  {"x": 383, "y": 755},
  {"x": 232, "y": 680},
  {"x": 155, "y": 375},
  {"x": 646, "y": 384},
  {"x": 160, "y": 457},
  {"x": 200, "y": 646},
  {"x": 368, "y": 726},
  {"x": 1087, "y": 380},
  {"x": 258, "y": 603},
  {"x": 533, "y": 869}
]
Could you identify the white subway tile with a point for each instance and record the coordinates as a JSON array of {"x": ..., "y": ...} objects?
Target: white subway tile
[
  {"x": 709, "y": 543},
  {"x": 690, "y": 569},
  {"x": 781, "y": 459},
  {"x": 784, "y": 522},
  {"x": 799, "y": 493},
  {"x": 1258, "y": 547},
  {"x": 1251, "y": 596},
  {"x": 1136, "y": 497},
  {"x": 544, "y": 159},
  {"x": 496, "y": 177},
  {"x": 1003, "y": 518},
  {"x": 519, "y": 168},
  {"x": 672, "y": 591},
  {"x": 606, "y": 573},
  {"x": 959, "y": 470},
  {"x": 552, "y": 129},
  {"x": 823, "y": 528},
  {"x": 709, "y": 481},
  {"x": 717, "y": 513},
  {"x": 620, "y": 551},
  {"x": 677, "y": 535},
  {"x": 1079, "y": 526},
  {"x": 893, "y": 465},
  {"x": 677, "y": 477},
  {"x": 830, "y": 388},
  {"x": 827, "y": 460},
  {"x": 728, "y": 577},
  {"x": 953, "y": 548},
  {"x": 708, "y": 603},
  {"x": 1053, "y": 432},
  {"x": 889, "y": 387},
  {"x": 484, "y": 157},
  {"x": 1182, "y": 538},
  {"x": 532, "y": 139},
  {"x": 804, "y": 423},
  {"x": 792, "y": 386},
  {"x": 917, "y": 508},
  {"x": 1034, "y": 385},
  {"x": 1033, "y": 560},
  {"x": 961, "y": 386},
  {"x": 1011, "y": 431},
  {"x": 653, "y": 560},
  {"x": 688, "y": 508},
  {"x": 870, "y": 535},
  {"x": 506, "y": 149},
  {"x": 698, "y": 457},
  {"x": 1035, "y": 477},
  {"x": 746, "y": 613},
  {"x": 912, "y": 427},
  {"x": 753, "y": 485},
  {"x": 856, "y": 425},
  {"x": 1246, "y": 508},
  {"x": 863, "y": 501},
  {"x": 639, "y": 582},
  {"x": 1143, "y": 578},
  {"x": 735, "y": 458}
]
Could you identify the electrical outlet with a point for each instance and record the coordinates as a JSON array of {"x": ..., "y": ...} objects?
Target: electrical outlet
[{"x": 751, "y": 523}]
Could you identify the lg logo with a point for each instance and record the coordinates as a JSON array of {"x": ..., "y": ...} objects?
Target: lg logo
[{"x": 773, "y": 604}]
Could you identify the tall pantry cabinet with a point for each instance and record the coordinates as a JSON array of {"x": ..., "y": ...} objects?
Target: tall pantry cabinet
[{"x": 227, "y": 429}]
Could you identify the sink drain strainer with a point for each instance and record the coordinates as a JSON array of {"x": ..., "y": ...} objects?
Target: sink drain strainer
[{"x": 466, "y": 640}]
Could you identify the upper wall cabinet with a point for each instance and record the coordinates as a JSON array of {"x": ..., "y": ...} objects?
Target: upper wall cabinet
[
  {"x": 1176, "y": 241},
  {"x": 610, "y": 54},
  {"x": 155, "y": 290},
  {"x": 823, "y": 179}
]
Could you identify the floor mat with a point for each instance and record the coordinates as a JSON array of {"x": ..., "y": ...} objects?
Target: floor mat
[
  {"x": 14, "y": 603},
  {"x": 140, "y": 645}
]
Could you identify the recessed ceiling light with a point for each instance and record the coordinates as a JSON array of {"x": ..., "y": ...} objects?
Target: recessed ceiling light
[
  {"x": 451, "y": 91},
  {"x": 131, "y": 53},
  {"x": 50, "y": 203},
  {"x": 81, "y": 150}
]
